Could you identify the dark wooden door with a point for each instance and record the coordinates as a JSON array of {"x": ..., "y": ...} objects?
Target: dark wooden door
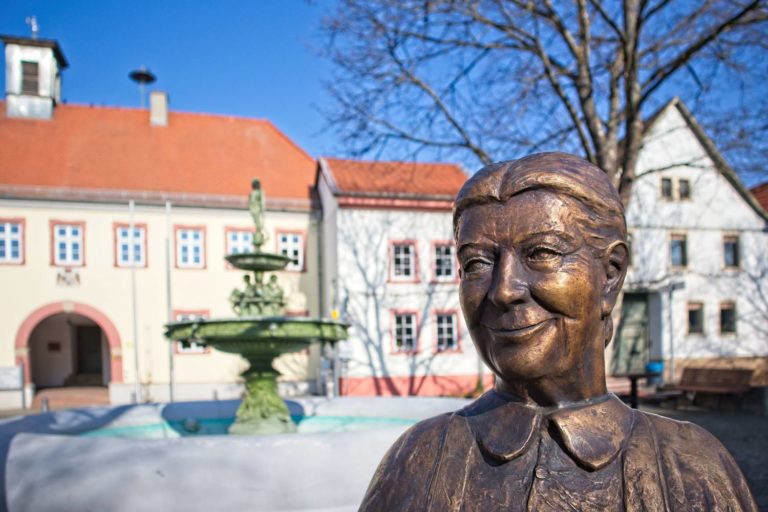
[
  {"x": 630, "y": 354},
  {"x": 88, "y": 349}
]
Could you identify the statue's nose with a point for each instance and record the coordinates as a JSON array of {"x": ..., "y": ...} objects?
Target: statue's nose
[{"x": 509, "y": 282}]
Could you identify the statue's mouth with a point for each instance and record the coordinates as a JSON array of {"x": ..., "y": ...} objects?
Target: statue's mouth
[{"x": 522, "y": 332}]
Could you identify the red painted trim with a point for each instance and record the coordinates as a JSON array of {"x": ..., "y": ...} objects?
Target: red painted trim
[
  {"x": 303, "y": 234},
  {"x": 177, "y": 344},
  {"x": 455, "y": 313},
  {"x": 21, "y": 344},
  {"x": 433, "y": 268},
  {"x": 227, "y": 231},
  {"x": 391, "y": 252},
  {"x": 294, "y": 314},
  {"x": 393, "y": 344},
  {"x": 51, "y": 226},
  {"x": 176, "y": 228},
  {"x": 421, "y": 385},
  {"x": 396, "y": 204},
  {"x": 23, "y": 222},
  {"x": 141, "y": 225}
]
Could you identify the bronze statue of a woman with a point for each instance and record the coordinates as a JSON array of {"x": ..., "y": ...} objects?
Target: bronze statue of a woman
[{"x": 542, "y": 253}]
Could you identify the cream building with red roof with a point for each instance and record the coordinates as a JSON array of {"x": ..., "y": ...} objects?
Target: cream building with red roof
[
  {"x": 67, "y": 175},
  {"x": 390, "y": 269}
]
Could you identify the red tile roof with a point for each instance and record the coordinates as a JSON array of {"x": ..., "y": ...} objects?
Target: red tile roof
[
  {"x": 761, "y": 194},
  {"x": 396, "y": 178},
  {"x": 116, "y": 149}
]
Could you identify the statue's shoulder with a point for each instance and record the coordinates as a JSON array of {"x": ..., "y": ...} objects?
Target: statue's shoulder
[
  {"x": 402, "y": 480},
  {"x": 697, "y": 468}
]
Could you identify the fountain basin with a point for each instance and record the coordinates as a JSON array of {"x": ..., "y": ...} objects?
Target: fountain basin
[
  {"x": 258, "y": 261},
  {"x": 258, "y": 335}
]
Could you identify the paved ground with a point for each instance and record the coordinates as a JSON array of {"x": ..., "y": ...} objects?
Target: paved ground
[{"x": 745, "y": 436}]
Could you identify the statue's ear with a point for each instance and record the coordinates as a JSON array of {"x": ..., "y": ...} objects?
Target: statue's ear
[{"x": 615, "y": 262}]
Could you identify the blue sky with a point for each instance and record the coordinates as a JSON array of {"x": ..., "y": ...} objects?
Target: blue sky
[{"x": 247, "y": 58}]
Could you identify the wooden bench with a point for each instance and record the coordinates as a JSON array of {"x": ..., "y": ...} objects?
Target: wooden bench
[{"x": 718, "y": 381}]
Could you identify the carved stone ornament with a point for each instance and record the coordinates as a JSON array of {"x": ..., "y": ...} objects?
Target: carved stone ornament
[{"x": 542, "y": 253}]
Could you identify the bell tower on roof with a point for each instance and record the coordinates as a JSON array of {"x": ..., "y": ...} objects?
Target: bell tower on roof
[{"x": 32, "y": 76}]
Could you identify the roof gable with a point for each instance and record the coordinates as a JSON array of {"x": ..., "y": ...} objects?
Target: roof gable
[{"x": 708, "y": 149}]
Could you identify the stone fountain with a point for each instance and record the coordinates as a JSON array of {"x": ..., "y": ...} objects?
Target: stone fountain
[{"x": 260, "y": 332}]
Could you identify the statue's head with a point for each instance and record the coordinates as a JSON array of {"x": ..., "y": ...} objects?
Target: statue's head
[
  {"x": 255, "y": 184},
  {"x": 542, "y": 251}
]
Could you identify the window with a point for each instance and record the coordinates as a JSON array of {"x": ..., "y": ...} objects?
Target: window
[
  {"x": 731, "y": 251},
  {"x": 11, "y": 241},
  {"x": 445, "y": 268},
  {"x": 190, "y": 247},
  {"x": 666, "y": 188},
  {"x": 68, "y": 244},
  {"x": 404, "y": 261},
  {"x": 678, "y": 248},
  {"x": 239, "y": 241},
  {"x": 30, "y": 77},
  {"x": 727, "y": 318},
  {"x": 684, "y": 189},
  {"x": 190, "y": 347},
  {"x": 695, "y": 318},
  {"x": 131, "y": 250},
  {"x": 405, "y": 332},
  {"x": 292, "y": 245},
  {"x": 447, "y": 331}
]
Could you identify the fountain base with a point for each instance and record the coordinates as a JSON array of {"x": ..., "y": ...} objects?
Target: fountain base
[{"x": 262, "y": 410}]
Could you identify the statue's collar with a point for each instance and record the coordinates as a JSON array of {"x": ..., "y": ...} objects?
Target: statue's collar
[{"x": 593, "y": 431}]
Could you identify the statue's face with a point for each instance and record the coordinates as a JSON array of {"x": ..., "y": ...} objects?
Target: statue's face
[{"x": 531, "y": 287}]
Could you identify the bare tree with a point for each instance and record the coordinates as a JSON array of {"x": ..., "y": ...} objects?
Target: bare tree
[{"x": 491, "y": 79}]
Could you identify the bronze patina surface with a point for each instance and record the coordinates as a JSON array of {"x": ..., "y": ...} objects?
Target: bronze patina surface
[{"x": 542, "y": 253}]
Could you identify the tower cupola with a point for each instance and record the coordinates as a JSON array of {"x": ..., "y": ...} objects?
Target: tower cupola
[{"x": 32, "y": 76}]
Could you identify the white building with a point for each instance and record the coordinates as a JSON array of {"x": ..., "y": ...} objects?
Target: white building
[
  {"x": 697, "y": 289},
  {"x": 67, "y": 175},
  {"x": 389, "y": 267}
]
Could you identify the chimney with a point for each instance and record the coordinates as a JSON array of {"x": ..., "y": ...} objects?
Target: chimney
[{"x": 158, "y": 108}]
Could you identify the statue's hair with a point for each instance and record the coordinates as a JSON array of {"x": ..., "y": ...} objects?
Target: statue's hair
[{"x": 601, "y": 214}]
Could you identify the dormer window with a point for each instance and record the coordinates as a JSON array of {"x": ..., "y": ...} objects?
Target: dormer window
[{"x": 30, "y": 77}]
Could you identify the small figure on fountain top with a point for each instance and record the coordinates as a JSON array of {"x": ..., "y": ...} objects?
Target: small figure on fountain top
[{"x": 256, "y": 207}]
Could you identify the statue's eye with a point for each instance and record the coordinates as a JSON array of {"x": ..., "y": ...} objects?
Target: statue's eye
[
  {"x": 543, "y": 254},
  {"x": 476, "y": 265}
]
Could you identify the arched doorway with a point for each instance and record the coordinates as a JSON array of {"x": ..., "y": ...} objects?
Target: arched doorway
[
  {"x": 68, "y": 349},
  {"x": 69, "y": 342}
]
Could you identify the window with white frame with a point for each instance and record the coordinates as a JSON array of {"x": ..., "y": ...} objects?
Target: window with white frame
[
  {"x": 731, "y": 251},
  {"x": 130, "y": 246},
  {"x": 405, "y": 332},
  {"x": 404, "y": 261},
  {"x": 68, "y": 244},
  {"x": 239, "y": 241},
  {"x": 11, "y": 247},
  {"x": 189, "y": 347},
  {"x": 445, "y": 269},
  {"x": 190, "y": 248},
  {"x": 447, "y": 331},
  {"x": 292, "y": 245},
  {"x": 678, "y": 250}
]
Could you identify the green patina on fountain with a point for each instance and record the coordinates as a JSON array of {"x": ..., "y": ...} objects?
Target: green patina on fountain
[{"x": 260, "y": 332}]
